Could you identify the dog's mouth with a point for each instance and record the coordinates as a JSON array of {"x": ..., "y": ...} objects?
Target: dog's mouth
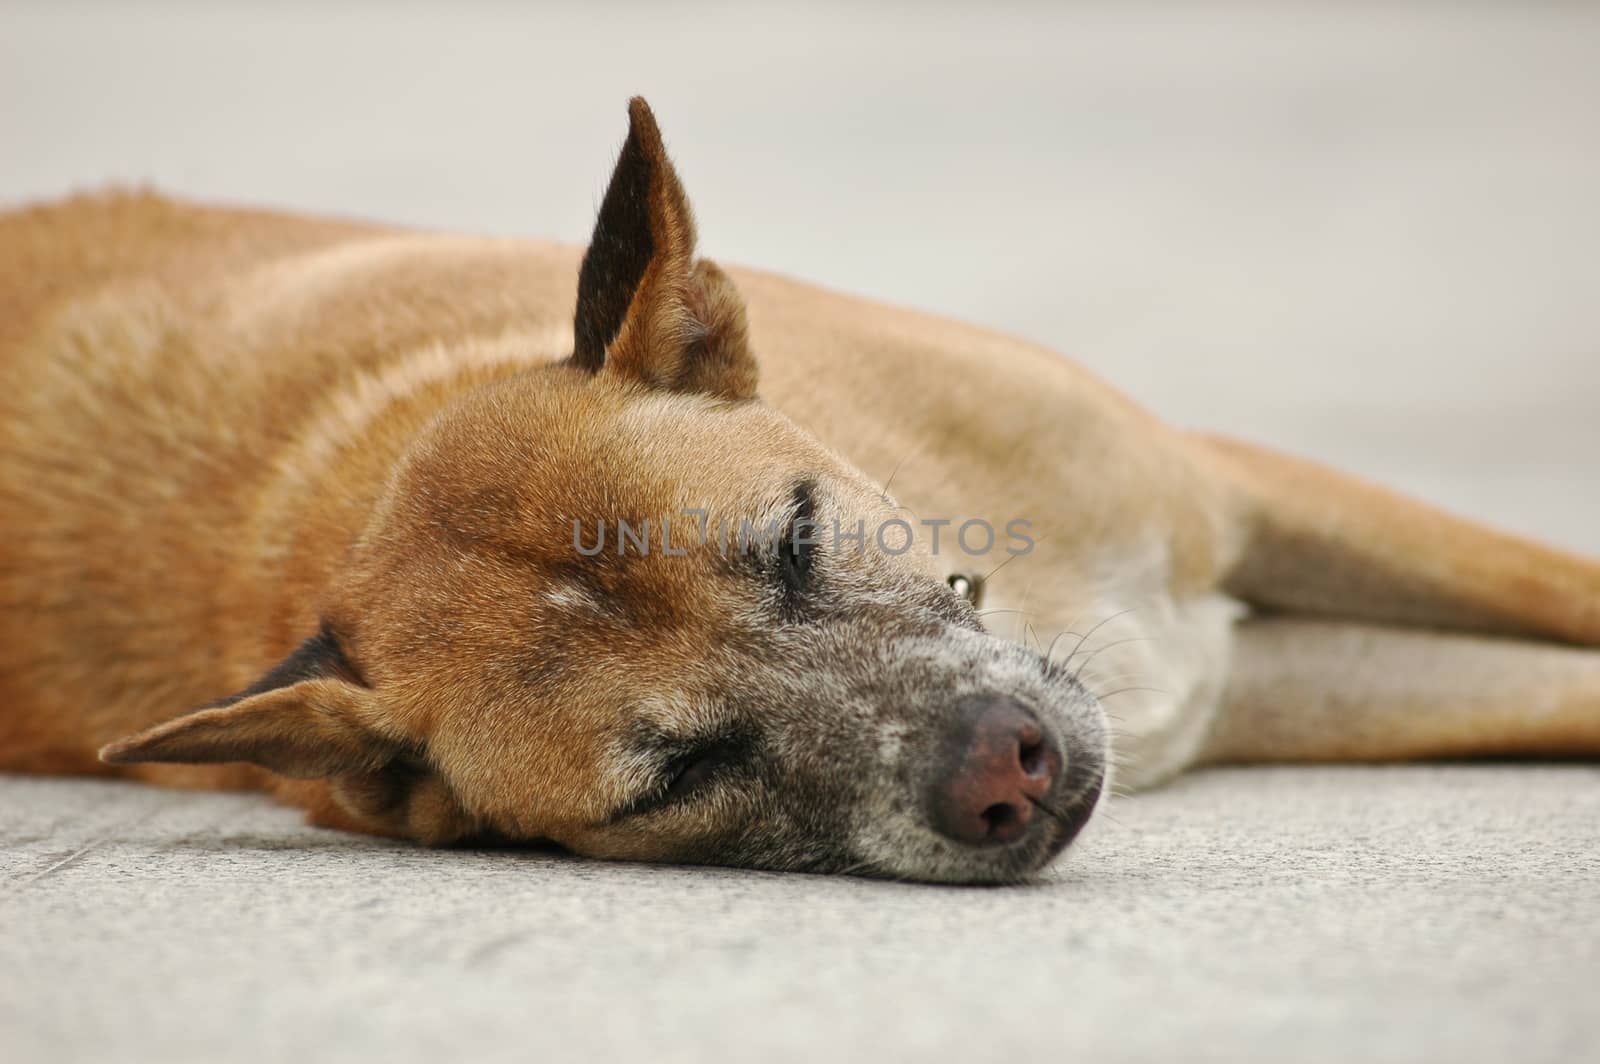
[
  {"x": 1082, "y": 784},
  {"x": 1075, "y": 722}
]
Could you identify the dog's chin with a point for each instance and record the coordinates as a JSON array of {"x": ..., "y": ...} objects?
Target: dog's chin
[{"x": 1019, "y": 863}]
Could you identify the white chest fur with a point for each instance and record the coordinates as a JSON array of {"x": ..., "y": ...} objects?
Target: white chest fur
[{"x": 1159, "y": 669}]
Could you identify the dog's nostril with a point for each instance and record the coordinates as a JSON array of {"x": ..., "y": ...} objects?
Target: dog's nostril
[
  {"x": 1002, "y": 819},
  {"x": 1031, "y": 757}
]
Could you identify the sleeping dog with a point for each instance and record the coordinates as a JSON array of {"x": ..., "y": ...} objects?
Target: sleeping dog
[{"x": 484, "y": 553}]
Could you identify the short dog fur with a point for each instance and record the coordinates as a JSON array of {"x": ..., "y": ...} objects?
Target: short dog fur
[{"x": 335, "y": 468}]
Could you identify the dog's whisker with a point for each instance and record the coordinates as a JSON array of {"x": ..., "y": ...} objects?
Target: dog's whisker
[
  {"x": 1022, "y": 616},
  {"x": 1027, "y": 554},
  {"x": 1050, "y": 653},
  {"x": 1105, "y": 647},
  {"x": 1090, "y": 633},
  {"x": 1125, "y": 690},
  {"x": 1092, "y": 679},
  {"x": 884, "y": 491},
  {"x": 1114, "y": 819}
]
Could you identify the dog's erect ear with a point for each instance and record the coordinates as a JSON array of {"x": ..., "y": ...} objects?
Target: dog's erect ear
[
  {"x": 647, "y": 310},
  {"x": 308, "y": 717}
]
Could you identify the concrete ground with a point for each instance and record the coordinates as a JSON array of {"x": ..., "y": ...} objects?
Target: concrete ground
[
  {"x": 1361, "y": 232},
  {"x": 1375, "y": 914}
]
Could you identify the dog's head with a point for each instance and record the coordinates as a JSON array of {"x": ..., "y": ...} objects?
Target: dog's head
[{"x": 620, "y": 604}]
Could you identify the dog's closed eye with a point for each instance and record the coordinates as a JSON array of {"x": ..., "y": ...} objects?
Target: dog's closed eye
[
  {"x": 693, "y": 770},
  {"x": 685, "y": 775},
  {"x": 797, "y": 548}
]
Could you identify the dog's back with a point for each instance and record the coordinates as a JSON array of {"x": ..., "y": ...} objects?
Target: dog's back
[{"x": 158, "y": 361}]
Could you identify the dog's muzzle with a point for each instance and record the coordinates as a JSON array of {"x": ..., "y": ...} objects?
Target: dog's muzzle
[{"x": 1004, "y": 779}]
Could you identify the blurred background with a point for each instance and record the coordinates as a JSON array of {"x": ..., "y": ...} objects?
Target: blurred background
[{"x": 1368, "y": 233}]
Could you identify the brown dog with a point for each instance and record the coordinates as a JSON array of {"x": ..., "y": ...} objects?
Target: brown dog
[{"x": 535, "y": 575}]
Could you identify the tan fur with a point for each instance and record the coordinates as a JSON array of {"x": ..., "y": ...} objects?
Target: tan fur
[
  {"x": 201, "y": 409},
  {"x": 1312, "y": 690},
  {"x": 1324, "y": 543}
]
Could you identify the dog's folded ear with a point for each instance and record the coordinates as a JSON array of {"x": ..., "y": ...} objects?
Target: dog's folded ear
[
  {"x": 308, "y": 717},
  {"x": 647, "y": 311},
  {"x": 311, "y": 717}
]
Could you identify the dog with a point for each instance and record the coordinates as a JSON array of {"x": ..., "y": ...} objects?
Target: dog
[{"x": 494, "y": 540}]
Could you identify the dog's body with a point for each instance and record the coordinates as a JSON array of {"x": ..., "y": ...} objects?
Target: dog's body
[{"x": 201, "y": 410}]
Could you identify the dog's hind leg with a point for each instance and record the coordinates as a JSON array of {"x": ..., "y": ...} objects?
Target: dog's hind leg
[
  {"x": 1310, "y": 690},
  {"x": 1318, "y": 542}
]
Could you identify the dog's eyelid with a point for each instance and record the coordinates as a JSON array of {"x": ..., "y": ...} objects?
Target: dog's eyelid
[
  {"x": 797, "y": 548},
  {"x": 686, "y": 765},
  {"x": 721, "y": 747}
]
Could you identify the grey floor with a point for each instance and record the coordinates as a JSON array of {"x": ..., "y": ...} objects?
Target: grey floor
[
  {"x": 1443, "y": 913},
  {"x": 1363, "y": 232}
]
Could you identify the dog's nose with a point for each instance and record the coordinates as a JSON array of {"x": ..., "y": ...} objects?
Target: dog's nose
[{"x": 1002, "y": 763}]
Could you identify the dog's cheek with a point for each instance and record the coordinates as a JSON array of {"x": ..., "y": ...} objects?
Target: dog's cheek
[{"x": 405, "y": 802}]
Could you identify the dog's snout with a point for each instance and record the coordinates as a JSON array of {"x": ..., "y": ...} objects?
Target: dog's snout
[{"x": 1001, "y": 766}]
